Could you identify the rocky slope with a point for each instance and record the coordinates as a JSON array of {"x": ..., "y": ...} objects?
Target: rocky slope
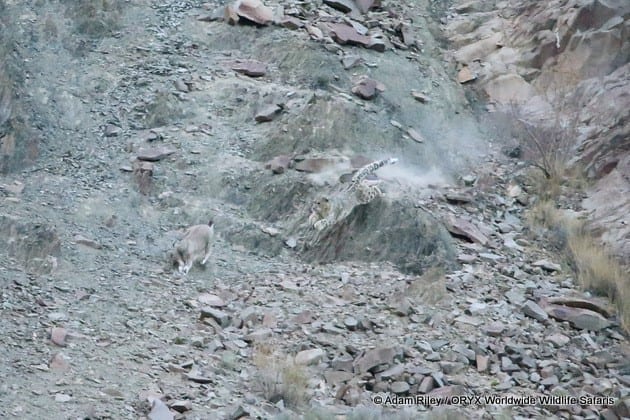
[
  {"x": 126, "y": 122},
  {"x": 561, "y": 59}
]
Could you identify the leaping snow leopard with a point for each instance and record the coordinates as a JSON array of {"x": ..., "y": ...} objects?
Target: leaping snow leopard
[{"x": 327, "y": 211}]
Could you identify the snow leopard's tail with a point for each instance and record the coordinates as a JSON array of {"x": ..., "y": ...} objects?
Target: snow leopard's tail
[{"x": 369, "y": 169}]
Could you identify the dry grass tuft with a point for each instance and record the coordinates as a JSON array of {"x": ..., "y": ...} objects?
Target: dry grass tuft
[
  {"x": 595, "y": 269},
  {"x": 279, "y": 378}
]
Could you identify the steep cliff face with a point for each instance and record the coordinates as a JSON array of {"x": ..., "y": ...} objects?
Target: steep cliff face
[{"x": 561, "y": 60}]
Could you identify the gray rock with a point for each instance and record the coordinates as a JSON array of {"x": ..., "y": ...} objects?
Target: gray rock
[
  {"x": 461, "y": 227},
  {"x": 547, "y": 265},
  {"x": 344, "y": 363},
  {"x": 260, "y": 334},
  {"x": 532, "y": 309},
  {"x": 337, "y": 377},
  {"x": 309, "y": 357},
  {"x": 399, "y": 387},
  {"x": 268, "y": 113},
  {"x": 222, "y": 318},
  {"x": 494, "y": 329},
  {"x": 451, "y": 368},
  {"x": 426, "y": 385},
  {"x": 392, "y": 373},
  {"x": 374, "y": 358},
  {"x": 558, "y": 340},
  {"x": 482, "y": 362}
]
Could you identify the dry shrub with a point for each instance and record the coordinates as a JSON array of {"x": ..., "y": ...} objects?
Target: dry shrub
[
  {"x": 594, "y": 267},
  {"x": 279, "y": 378}
]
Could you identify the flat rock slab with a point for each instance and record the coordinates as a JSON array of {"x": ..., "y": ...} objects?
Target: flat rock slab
[
  {"x": 268, "y": 113},
  {"x": 254, "y": 11},
  {"x": 461, "y": 227},
  {"x": 583, "y": 319},
  {"x": 251, "y": 68},
  {"x": 154, "y": 154},
  {"x": 373, "y": 358},
  {"x": 345, "y": 6},
  {"x": 367, "y": 88}
]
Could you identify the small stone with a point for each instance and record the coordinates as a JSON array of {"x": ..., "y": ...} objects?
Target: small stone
[
  {"x": 374, "y": 358},
  {"x": 309, "y": 357},
  {"x": 82, "y": 240},
  {"x": 154, "y": 154},
  {"x": 451, "y": 368},
  {"x": 433, "y": 357},
  {"x": 426, "y": 385},
  {"x": 251, "y": 68},
  {"x": 268, "y": 113},
  {"x": 112, "y": 130},
  {"x": 344, "y": 6},
  {"x": 344, "y": 363},
  {"x": 461, "y": 227},
  {"x": 291, "y": 22},
  {"x": 210, "y": 300},
  {"x": 482, "y": 362},
  {"x": 366, "y": 88},
  {"x": 550, "y": 381},
  {"x": 415, "y": 135},
  {"x": 350, "y": 61},
  {"x": 58, "y": 362},
  {"x": 181, "y": 406},
  {"x": 159, "y": 410},
  {"x": 258, "y": 335},
  {"x": 547, "y": 265},
  {"x": 337, "y": 377},
  {"x": 350, "y": 323},
  {"x": 558, "y": 340},
  {"x": 58, "y": 336},
  {"x": 420, "y": 97},
  {"x": 531, "y": 309},
  {"x": 279, "y": 164},
  {"x": 219, "y": 316},
  {"x": 399, "y": 387},
  {"x": 254, "y": 11},
  {"x": 62, "y": 398},
  {"x": 470, "y": 320},
  {"x": 465, "y": 75},
  {"x": 199, "y": 377},
  {"x": 392, "y": 373}
]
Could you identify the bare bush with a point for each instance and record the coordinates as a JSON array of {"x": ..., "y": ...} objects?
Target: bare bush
[
  {"x": 279, "y": 378},
  {"x": 594, "y": 267}
]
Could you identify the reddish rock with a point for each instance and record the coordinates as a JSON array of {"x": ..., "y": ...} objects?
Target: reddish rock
[
  {"x": 465, "y": 75},
  {"x": 461, "y": 227},
  {"x": 254, "y": 11},
  {"x": 346, "y": 34},
  {"x": 291, "y": 22},
  {"x": 367, "y": 88},
  {"x": 58, "y": 336}
]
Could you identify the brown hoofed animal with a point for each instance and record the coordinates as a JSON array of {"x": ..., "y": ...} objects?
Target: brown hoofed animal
[{"x": 193, "y": 247}]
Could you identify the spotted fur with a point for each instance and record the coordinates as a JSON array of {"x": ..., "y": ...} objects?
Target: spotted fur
[{"x": 361, "y": 191}]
